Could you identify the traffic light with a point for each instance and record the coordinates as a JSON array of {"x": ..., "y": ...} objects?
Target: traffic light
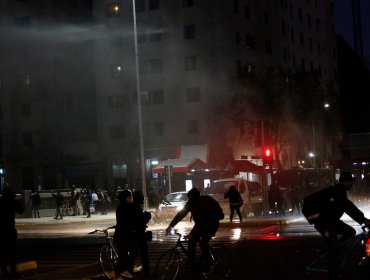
[{"x": 267, "y": 156}]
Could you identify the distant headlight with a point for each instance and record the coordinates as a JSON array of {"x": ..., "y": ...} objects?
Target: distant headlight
[{"x": 180, "y": 207}]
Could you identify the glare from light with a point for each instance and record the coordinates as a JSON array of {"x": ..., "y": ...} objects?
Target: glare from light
[
  {"x": 154, "y": 162},
  {"x": 235, "y": 234}
]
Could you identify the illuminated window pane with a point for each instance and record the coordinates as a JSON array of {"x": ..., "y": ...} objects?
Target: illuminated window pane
[
  {"x": 113, "y": 10},
  {"x": 116, "y": 71}
]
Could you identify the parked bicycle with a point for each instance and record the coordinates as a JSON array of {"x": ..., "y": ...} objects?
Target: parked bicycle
[
  {"x": 311, "y": 262},
  {"x": 108, "y": 254},
  {"x": 67, "y": 208},
  {"x": 169, "y": 263}
]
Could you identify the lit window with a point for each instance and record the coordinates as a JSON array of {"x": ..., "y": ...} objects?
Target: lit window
[
  {"x": 116, "y": 71},
  {"x": 113, "y": 10}
]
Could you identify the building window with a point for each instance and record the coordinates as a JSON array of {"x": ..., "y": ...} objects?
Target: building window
[
  {"x": 25, "y": 109},
  {"x": 268, "y": 47},
  {"x": 155, "y": 66},
  {"x": 116, "y": 71},
  {"x": 236, "y": 7},
  {"x": 116, "y": 132},
  {"x": 292, "y": 35},
  {"x": 113, "y": 10},
  {"x": 192, "y": 94},
  {"x": 68, "y": 104},
  {"x": 27, "y": 139},
  {"x": 141, "y": 38},
  {"x": 116, "y": 101},
  {"x": 237, "y": 37},
  {"x": 152, "y": 97},
  {"x": 158, "y": 128},
  {"x": 153, "y": 4},
  {"x": 155, "y": 37},
  {"x": 23, "y": 81},
  {"x": 309, "y": 24},
  {"x": 140, "y": 6},
  {"x": 301, "y": 39},
  {"x": 283, "y": 27},
  {"x": 190, "y": 63},
  {"x": 318, "y": 25},
  {"x": 250, "y": 41},
  {"x": 247, "y": 12},
  {"x": 189, "y": 32},
  {"x": 187, "y": 3},
  {"x": 193, "y": 127}
]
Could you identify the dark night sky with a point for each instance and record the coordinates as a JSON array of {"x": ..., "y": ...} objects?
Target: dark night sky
[{"x": 345, "y": 27}]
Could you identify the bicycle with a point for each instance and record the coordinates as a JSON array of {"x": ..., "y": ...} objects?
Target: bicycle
[
  {"x": 311, "y": 262},
  {"x": 169, "y": 263},
  {"x": 67, "y": 208},
  {"x": 108, "y": 255}
]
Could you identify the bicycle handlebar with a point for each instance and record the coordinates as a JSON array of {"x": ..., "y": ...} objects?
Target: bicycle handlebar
[{"x": 102, "y": 230}]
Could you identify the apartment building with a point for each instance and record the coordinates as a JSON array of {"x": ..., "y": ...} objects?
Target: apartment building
[{"x": 189, "y": 53}]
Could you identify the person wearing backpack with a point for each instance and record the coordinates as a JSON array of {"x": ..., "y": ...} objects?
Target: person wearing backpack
[
  {"x": 206, "y": 214},
  {"x": 235, "y": 202},
  {"x": 325, "y": 208}
]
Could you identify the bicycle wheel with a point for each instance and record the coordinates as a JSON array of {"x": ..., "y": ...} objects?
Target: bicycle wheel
[
  {"x": 306, "y": 263},
  {"x": 168, "y": 265},
  {"x": 108, "y": 260},
  {"x": 222, "y": 267}
]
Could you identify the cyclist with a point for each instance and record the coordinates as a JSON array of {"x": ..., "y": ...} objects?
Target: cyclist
[
  {"x": 206, "y": 214},
  {"x": 334, "y": 203}
]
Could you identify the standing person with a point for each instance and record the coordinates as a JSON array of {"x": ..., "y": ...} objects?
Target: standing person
[
  {"x": 74, "y": 200},
  {"x": 206, "y": 214},
  {"x": 295, "y": 199},
  {"x": 95, "y": 200},
  {"x": 35, "y": 203},
  {"x": 329, "y": 205},
  {"x": 141, "y": 220},
  {"x": 86, "y": 201},
  {"x": 235, "y": 202},
  {"x": 124, "y": 236},
  {"x": 59, "y": 200},
  {"x": 9, "y": 206}
]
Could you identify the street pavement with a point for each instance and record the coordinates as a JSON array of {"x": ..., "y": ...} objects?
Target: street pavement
[{"x": 48, "y": 227}]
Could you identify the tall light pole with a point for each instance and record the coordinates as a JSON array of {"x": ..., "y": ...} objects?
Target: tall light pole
[{"x": 138, "y": 93}]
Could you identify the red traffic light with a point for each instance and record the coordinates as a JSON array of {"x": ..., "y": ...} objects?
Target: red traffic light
[{"x": 267, "y": 152}]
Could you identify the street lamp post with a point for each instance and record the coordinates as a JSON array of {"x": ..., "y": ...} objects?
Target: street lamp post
[{"x": 138, "y": 93}]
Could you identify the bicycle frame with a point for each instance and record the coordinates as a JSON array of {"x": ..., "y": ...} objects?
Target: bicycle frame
[
  {"x": 108, "y": 255},
  {"x": 357, "y": 241}
]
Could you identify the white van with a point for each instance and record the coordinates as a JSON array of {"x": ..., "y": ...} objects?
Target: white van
[{"x": 251, "y": 193}]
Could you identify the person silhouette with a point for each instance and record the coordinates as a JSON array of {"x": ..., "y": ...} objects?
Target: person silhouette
[{"x": 9, "y": 206}]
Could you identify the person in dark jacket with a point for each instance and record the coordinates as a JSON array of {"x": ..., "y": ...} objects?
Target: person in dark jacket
[
  {"x": 36, "y": 203},
  {"x": 329, "y": 224},
  {"x": 124, "y": 236},
  {"x": 235, "y": 202},
  {"x": 141, "y": 220},
  {"x": 9, "y": 206},
  {"x": 59, "y": 200},
  {"x": 206, "y": 214}
]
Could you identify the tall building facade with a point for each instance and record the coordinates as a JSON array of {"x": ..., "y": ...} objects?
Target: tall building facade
[{"x": 188, "y": 57}]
